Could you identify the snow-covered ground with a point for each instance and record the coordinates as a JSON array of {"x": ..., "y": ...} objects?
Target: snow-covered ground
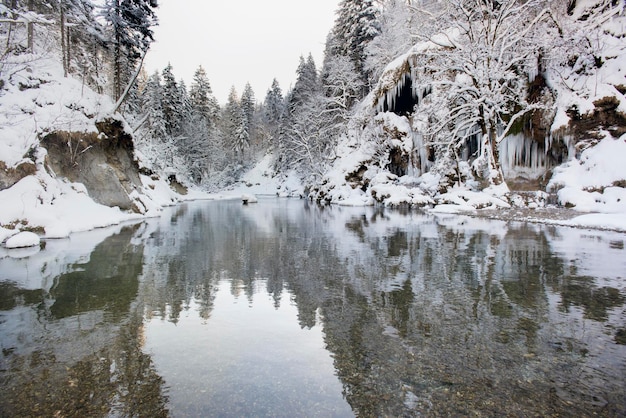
[
  {"x": 263, "y": 181},
  {"x": 34, "y": 101},
  {"x": 37, "y": 99},
  {"x": 55, "y": 208}
]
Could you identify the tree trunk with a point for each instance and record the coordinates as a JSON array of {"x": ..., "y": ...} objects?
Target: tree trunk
[
  {"x": 495, "y": 156},
  {"x": 30, "y": 30},
  {"x": 63, "y": 43},
  {"x": 12, "y": 6}
]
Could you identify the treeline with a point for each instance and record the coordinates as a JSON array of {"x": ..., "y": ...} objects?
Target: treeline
[
  {"x": 477, "y": 61},
  {"x": 185, "y": 131},
  {"x": 188, "y": 132}
]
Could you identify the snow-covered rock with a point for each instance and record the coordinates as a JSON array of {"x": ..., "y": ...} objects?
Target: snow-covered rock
[
  {"x": 596, "y": 182},
  {"x": 22, "y": 240},
  {"x": 249, "y": 198}
]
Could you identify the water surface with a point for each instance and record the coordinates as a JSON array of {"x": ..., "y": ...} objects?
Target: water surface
[{"x": 288, "y": 309}]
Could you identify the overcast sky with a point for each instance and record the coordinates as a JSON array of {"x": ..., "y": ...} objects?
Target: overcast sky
[{"x": 239, "y": 41}]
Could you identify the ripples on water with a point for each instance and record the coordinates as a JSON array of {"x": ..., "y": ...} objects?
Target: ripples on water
[{"x": 289, "y": 309}]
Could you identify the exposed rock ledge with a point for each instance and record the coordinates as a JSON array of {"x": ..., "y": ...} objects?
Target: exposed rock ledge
[{"x": 103, "y": 162}]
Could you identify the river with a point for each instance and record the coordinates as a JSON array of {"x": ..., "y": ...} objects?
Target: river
[{"x": 286, "y": 309}]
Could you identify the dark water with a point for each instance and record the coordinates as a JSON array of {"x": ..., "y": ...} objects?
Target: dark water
[{"x": 288, "y": 309}]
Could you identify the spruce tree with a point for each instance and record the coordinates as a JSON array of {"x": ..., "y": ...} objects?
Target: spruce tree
[
  {"x": 171, "y": 102},
  {"x": 307, "y": 82},
  {"x": 355, "y": 27},
  {"x": 201, "y": 97},
  {"x": 152, "y": 107},
  {"x": 273, "y": 109},
  {"x": 274, "y": 104},
  {"x": 131, "y": 23},
  {"x": 248, "y": 104},
  {"x": 236, "y": 129}
]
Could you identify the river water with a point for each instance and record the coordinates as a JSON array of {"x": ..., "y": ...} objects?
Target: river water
[{"x": 285, "y": 309}]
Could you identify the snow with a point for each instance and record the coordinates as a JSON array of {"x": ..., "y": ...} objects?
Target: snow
[
  {"x": 35, "y": 100},
  {"x": 249, "y": 198},
  {"x": 594, "y": 182},
  {"x": 23, "y": 239},
  {"x": 262, "y": 180},
  {"x": 39, "y": 99}
]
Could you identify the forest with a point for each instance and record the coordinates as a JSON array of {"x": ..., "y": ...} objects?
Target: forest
[{"x": 413, "y": 99}]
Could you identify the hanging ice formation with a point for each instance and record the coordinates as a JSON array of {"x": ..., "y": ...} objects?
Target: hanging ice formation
[
  {"x": 418, "y": 159},
  {"x": 521, "y": 156},
  {"x": 402, "y": 98},
  {"x": 400, "y": 91}
]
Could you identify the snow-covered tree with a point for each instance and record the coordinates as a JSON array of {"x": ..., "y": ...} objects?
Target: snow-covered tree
[
  {"x": 307, "y": 82},
  {"x": 397, "y": 23},
  {"x": 201, "y": 96},
  {"x": 478, "y": 66},
  {"x": 130, "y": 22},
  {"x": 153, "y": 140},
  {"x": 273, "y": 108},
  {"x": 355, "y": 27},
  {"x": 235, "y": 124},
  {"x": 248, "y": 105},
  {"x": 274, "y": 103},
  {"x": 310, "y": 120},
  {"x": 171, "y": 102},
  {"x": 341, "y": 84}
]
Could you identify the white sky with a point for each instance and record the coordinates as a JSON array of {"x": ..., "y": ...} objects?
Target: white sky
[{"x": 239, "y": 41}]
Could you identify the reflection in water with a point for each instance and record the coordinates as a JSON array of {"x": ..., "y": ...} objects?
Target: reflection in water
[
  {"x": 284, "y": 309},
  {"x": 74, "y": 349}
]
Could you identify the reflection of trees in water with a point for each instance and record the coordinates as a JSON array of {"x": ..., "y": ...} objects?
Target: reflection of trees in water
[
  {"x": 472, "y": 312},
  {"x": 419, "y": 315},
  {"x": 77, "y": 348}
]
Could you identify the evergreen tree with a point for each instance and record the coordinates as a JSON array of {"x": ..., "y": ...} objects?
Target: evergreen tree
[
  {"x": 248, "y": 104},
  {"x": 355, "y": 27},
  {"x": 274, "y": 104},
  {"x": 236, "y": 129},
  {"x": 152, "y": 105},
  {"x": 306, "y": 82},
  {"x": 273, "y": 109},
  {"x": 201, "y": 97},
  {"x": 171, "y": 102},
  {"x": 131, "y": 23},
  {"x": 185, "y": 103}
]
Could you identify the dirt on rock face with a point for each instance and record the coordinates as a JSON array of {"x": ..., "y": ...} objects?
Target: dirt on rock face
[
  {"x": 103, "y": 162},
  {"x": 11, "y": 175}
]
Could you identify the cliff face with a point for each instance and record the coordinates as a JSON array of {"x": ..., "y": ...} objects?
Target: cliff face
[{"x": 103, "y": 162}]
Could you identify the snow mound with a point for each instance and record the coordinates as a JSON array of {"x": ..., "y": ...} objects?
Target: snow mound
[
  {"x": 468, "y": 200},
  {"x": 22, "y": 240},
  {"x": 596, "y": 182}
]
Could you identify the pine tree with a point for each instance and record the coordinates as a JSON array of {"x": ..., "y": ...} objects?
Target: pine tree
[
  {"x": 273, "y": 109},
  {"x": 248, "y": 104},
  {"x": 201, "y": 97},
  {"x": 171, "y": 102},
  {"x": 355, "y": 27},
  {"x": 131, "y": 23},
  {"x": 236, "y": 129}
]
